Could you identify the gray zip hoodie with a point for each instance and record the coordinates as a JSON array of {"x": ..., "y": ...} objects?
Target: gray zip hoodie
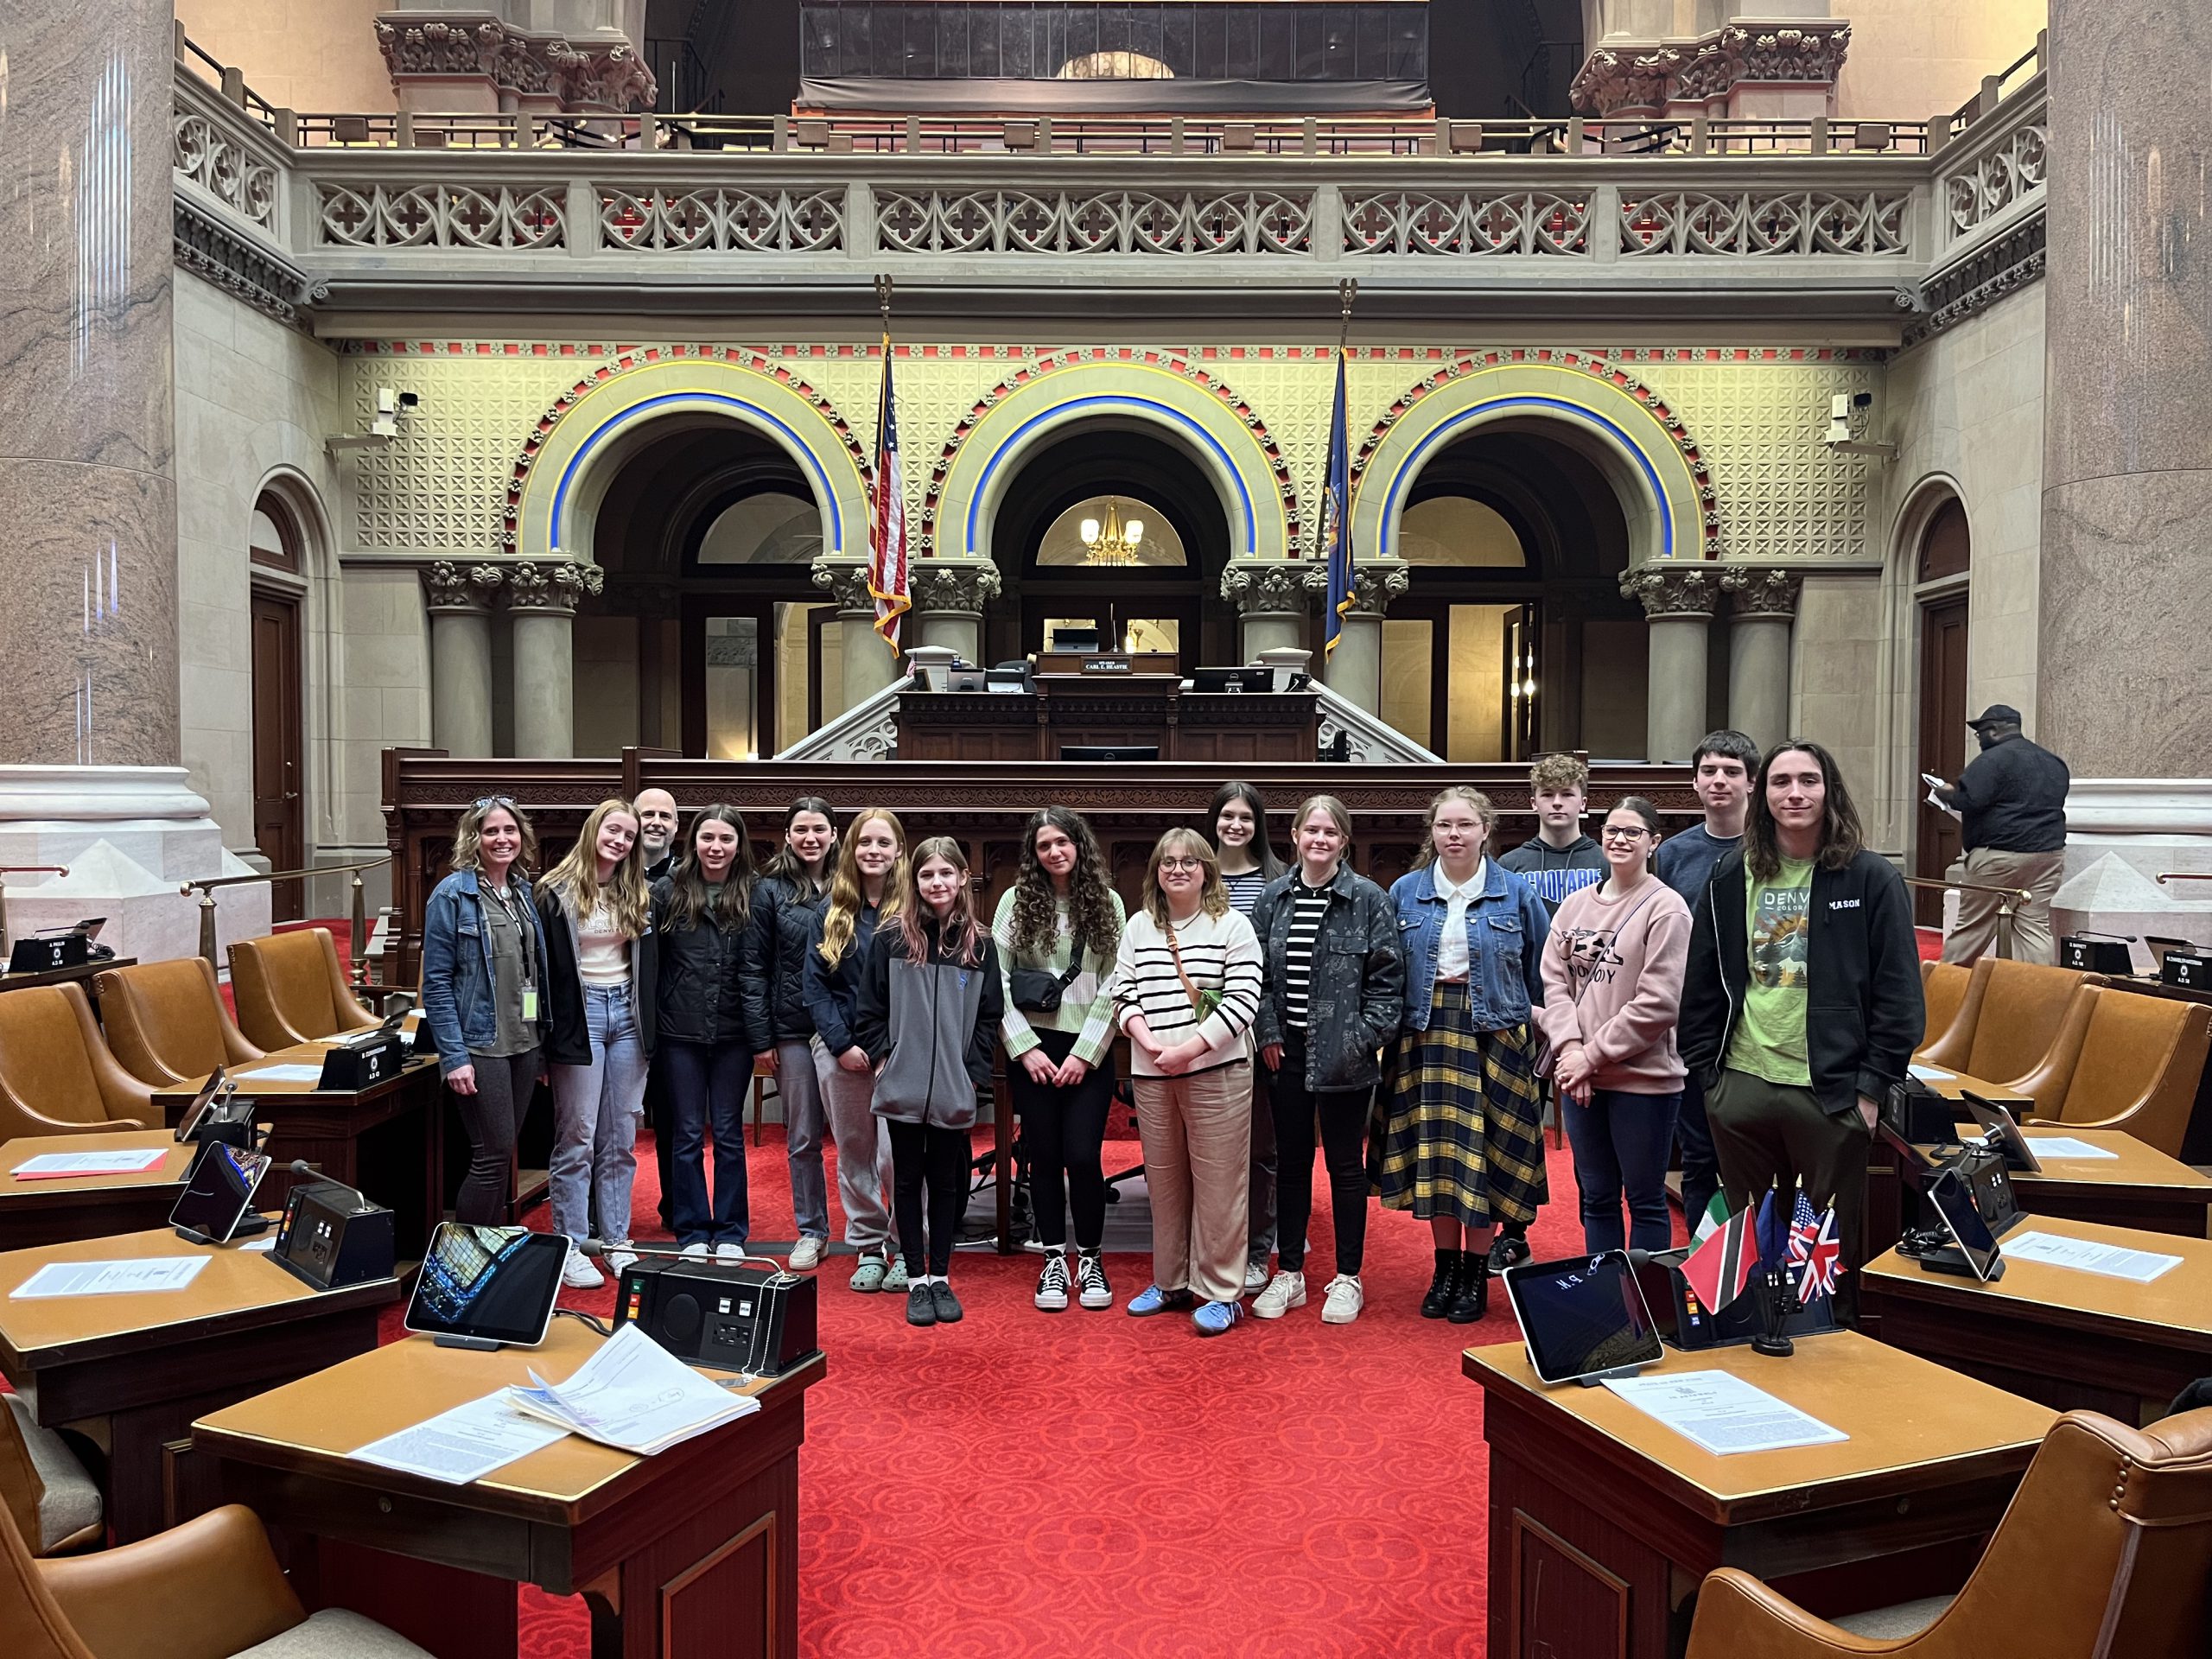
[{"x": 929, "y": 1027}]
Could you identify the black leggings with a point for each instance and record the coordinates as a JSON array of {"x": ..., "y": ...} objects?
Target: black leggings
[
  {"x": 922, "y": 1152},
  {"x": 492, "y": 1116},
  {"x": 1342, "y": 1113},
  {"x": 1062, "y": 1130}
]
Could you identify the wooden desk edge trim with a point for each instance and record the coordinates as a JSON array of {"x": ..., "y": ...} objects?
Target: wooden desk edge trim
[
  {"x": 80, "y": 1351},
  {"x": 1930, "y": 1289}
]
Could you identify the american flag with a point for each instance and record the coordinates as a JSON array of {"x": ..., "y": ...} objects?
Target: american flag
[
  {"x": 887, "y": 553},
  {"x": 1815, "y": 1255}
]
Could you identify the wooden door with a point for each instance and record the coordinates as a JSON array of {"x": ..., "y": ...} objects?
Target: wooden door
[
  {"x": 1943, "y": 741},
  {"x": 279, "y": 806}
]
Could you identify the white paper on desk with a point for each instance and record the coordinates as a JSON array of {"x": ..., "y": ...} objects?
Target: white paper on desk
[
  {"x": 635, "y": 1396},
  {"x": 130, "y": 1162},
  {"x": 1722, "y": 1413},
  {"x": 149, "y": 1273},
  {"x": 1931, "y": 1073},
  {"x": 464, "y": 1444},
  {"x": 2065, "y": 1146},
  {"x": 2085, "y": 1256},
  {"x": 286, "y": 1073}
]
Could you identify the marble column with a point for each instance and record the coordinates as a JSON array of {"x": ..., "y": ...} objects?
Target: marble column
[
  {"x": 2127, "y": 451},
  {"x": 1274, "y": 611},
  {"x": 542, "y": 601},
  {"x": 869, "y": 663},
  {"x": 1677, "y": 601},
  {"x": 88, "y": 651},
  {"x": 1761, "y": 605},
  {"x": 949, "y": 599},
  {"x": 1354, "y": 670},
  {"x": 460, "y": 654}
]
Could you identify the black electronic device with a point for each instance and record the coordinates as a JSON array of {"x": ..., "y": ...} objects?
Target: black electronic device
[
  {"x": 966, "y": 679},
  {"x": 43, "y": 953},
  {"x": 1583, "y": 1318},
  {"x": 2001, "y": 1134},
  {"x": 1974, "y": 1247},
  {"x": 2187, "y": 971},
  {"x": 1010, "y": 677},
  {"x": 362, "y": 1059},
  {"x": 1076, "y": 639},
  {"x": 734, "y": 1316},
  {"x": 1247, "y": 680},
  {"x": 1112, "y": 751},
  {"x": 1918, "y": 1115},
  {"x": 2096, "y": 953},
  {"x": 217, "y": 1203},
  {"x": 218, "y": 1113},
  {"x": 1692, "y": 1327},
  {"x": 331, "y": 1236},
  {"x": 487, "y": 1286}
]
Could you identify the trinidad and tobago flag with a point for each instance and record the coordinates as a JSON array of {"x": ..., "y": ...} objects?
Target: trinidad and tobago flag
[{"x": 1719, "y": 1269}]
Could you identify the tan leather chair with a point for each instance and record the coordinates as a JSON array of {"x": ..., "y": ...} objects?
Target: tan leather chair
[
  {"x": 1942, "y": 990},
  {"x": 209, "y": 1589},
  {"x": 2105, "y": 1552},
  {"x": 57, "y": 1075},
  {"x": 54, "y": 1503},
  {"x": 2133, "y": 1066},
  {"x": 289, "y": 988},
  {"x": 167, "y": 1023},
  {"x": 2008, "y": 1022}
]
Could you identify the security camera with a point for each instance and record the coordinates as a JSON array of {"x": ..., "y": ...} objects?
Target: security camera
[
  {"x": 1839, "y": 440},
  {"x": 409, "y": 399},
  {"x": 384, "y": 424}
]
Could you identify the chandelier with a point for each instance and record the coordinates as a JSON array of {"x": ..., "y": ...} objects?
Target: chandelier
[{"x": 1114, "y": 542}]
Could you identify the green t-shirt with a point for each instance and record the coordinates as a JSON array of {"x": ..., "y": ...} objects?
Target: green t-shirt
[{"x": 1770, "y": 1036}]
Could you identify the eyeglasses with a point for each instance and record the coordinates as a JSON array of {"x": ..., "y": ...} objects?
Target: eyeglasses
[
  {"x": 1623, "y": 832},
  {"x": 1182, "y": 863}
]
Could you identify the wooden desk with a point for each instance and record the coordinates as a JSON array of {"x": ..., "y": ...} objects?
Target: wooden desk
[
  {"x": 52, "y": 1211},
  {"x": 1603, "y": 1523},
  {"x": 1121, "y": 710},
  {"x": 138, "y": 1369},
  {"x": 387, "y": 1140},
  {"x": 82, "y": 973},
  {"x": 2073, "y": 1340},
  {"x": 685, "y": 1555}
]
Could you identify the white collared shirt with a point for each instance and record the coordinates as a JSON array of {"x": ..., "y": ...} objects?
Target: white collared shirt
[{"x": 1452, "y": 949}]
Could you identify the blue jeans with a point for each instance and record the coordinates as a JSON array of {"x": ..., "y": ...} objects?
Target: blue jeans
[
  {"x": 800, "y": 1091},
  {"x": 595, "y": 1110},
  {"x": 1621, "y": 1140},
  {"x": 1700, "y": 1163},
  {"x": 706, "y": 1085}
]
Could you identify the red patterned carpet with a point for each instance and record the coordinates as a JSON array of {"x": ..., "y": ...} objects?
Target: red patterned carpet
[{"x": 1025, "y": 1484}]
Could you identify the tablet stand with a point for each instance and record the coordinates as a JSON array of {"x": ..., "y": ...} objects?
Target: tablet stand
[
  {"x": 480, "y": 1344},
  {"x": 1949, "y": 1258},
  {"x": 248, "y": 1226},
  {"x": 1599, "y": 1379}
]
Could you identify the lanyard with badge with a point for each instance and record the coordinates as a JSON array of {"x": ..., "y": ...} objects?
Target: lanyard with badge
[{"x": 524, "y": 948}]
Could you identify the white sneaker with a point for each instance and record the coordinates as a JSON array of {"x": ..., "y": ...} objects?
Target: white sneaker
[
  {"x": 1284, "y": 1292},
  {"x": 729, "y": 1252},
  {"x": 1344, "y": 1301},
  {"x": 1255, "y": 1276},
  {"x": 807, "y": 1253},
  {"x": 620, "y": 1259},
  {"x": 577, "y": 1271},
  {"x": 695, "y": 1250}
]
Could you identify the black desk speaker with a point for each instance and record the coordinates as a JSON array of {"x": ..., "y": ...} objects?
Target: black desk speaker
[
  {"x": 734, "y": 1316},
  {"x": 2187, "y": 971},
  {"x": 2089, "y": 955},
  {"x": 332, "y": 1236}
]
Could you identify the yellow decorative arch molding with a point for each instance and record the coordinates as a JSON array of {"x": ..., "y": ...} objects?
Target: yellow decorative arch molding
[
  {"x": 1184, "y": 400},
  {"x": 1592, "y": 402},
  {"x": 581, "y": 442}
]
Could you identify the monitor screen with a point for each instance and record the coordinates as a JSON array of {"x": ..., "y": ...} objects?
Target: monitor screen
[
  {"x": 1582, "y": 1315},
  {"x": 1953, "y": 1202},
  {"x": 496, "y": 1284},
  {"x": 1109, "y": 752},
  {"x": 220, "y": 1190},
  {"x": 2000, "y": 1133}
]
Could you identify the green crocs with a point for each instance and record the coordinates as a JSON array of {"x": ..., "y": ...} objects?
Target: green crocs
[
  {"x": 869, "y": 1276},
  {"x": 896, "y": 1279}
]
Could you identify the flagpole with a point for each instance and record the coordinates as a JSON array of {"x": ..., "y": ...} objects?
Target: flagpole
[
  {"x": 1332, "y": 526},
  {"x": 886, "y": 574}
]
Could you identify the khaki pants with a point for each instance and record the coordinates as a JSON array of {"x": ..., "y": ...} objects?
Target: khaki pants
[
  {"x": 1975, "y": 935},
  {"x": 1771, "y": 1135},
  {"x": 1196, "y": 1132}
]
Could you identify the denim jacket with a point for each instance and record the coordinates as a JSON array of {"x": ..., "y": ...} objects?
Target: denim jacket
[
  {"x": 457, "y": 966},
  {"x": 1507, "y": 925}
]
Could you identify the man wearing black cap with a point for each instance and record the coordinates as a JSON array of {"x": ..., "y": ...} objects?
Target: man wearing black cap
[{"x": 2012, "y": 798}]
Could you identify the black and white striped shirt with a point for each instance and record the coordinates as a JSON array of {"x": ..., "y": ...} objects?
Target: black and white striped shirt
[
  {"x": 1307, "y": 906},
  {"x": 1220, "y": 953},
  {"x": 1244, "y": 890}
]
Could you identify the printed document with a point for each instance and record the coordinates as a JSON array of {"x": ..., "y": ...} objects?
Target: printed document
[
  {"x": 1722, "y": 1413},
  {"x": 111, "y": 1278},
  {"x": 464, "y": 1444},
  {"x": 634, "y": 1395},
  {"x": 286, "y": 1073},
  {"x": 2065, "y": 1146},
  {"x": 2112, "y": 1261},
  {"x": 1931, "y": 1073},
  {"x": 49, "y": 1165}
]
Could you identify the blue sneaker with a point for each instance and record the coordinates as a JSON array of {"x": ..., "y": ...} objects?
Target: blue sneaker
[
  {"x": 1214, "y": 1317},
  {"x": 1153, "y": 1300}
]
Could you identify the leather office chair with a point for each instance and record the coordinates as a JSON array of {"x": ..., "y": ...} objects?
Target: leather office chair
[
  {"x": 57, "y": 1075},
  {"x": 2134, "y": 1065},
  {"x": 289, "y": 987},
  {"x": 2104, "y": 1553},
  {"x": 1942, "y": 990},
  {"x": 209, "y": 1589},
  {"x": 2011, "y": 1015},
  {"x": 54, "y": 1504},
  {"x": 167, "y": 1023}
]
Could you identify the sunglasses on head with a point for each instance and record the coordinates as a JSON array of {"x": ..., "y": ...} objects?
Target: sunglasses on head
[{"x": 485, "y": 803}]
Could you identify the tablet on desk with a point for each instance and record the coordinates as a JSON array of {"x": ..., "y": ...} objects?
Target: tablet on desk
[
  {"x": 2001, "y": 1134},
  {"x": 1583, "y": 1317},
  {"x": 1953, "y": 1201},
  {"x": 209, "y": 1092},
  {"x": 487, "y": 1286},
  {"x": 218, "y": 1192}
]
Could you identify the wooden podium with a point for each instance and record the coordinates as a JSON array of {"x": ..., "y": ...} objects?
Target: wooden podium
[{"x": 1119, "y": 709}]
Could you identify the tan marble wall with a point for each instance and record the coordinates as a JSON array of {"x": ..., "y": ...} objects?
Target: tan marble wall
[
  {"x": 88, "y": 646},
  {"x": 299, "y": 55},
  {"x": 1909, "y": 58},
  {"x": 1835, "y": 658},
  {"x": 386, "y": 690}
]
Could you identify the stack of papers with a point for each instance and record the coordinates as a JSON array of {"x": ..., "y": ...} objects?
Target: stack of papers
[
  {"x": 134, "y": 1276},
  {"x": 464, "y": 1444},
  {"x": 51, "y": 1165},
  {"x": 1722, "y": 1413},
  {"x": 2065, "y": 1146},
  {"x": 2112, "y": 1261},
  {"x": 634, "y": 1395}
]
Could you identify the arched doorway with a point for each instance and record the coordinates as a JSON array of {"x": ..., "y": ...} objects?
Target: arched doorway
[
  {"x": 1943, "y": 559},
  {"x": 277, "y": 553}
]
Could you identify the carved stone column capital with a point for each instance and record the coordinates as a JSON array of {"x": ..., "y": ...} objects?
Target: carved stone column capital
[
  {"x": 846, "y": 582},
  {"x": 1621, "y": 75},
  {"x": 461, "y": 587},
  {"x": 959, "y": 585},
  {"x": 1761, "y": 593},
  {"x": 1672, "y": 589},
  {"x": 552, "y": 588},
  {"x": 1375, "y": 583},
  {"x": 1269, "y": 587},
  {"x": 540, "y": 70}
]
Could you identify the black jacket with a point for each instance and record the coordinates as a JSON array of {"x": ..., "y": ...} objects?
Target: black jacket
[
  {"x": 783, "y": 917},
  {"x": 568, "y": 1039},
  {"x": 703, "y": 972},
  {"x": 833, "y": 990},
  {"x": 1356, "y": 997},
  {"x": 1862, "y": 1010},
  {"x": 2012, "y": 798}
]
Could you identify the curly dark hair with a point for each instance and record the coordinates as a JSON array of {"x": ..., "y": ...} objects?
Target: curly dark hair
[
  {"x": 1092, "y": 919},
  {"x": 1841, "y": 836}
]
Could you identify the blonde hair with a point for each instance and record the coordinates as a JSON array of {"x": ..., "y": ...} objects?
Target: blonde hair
[
  {"x": 1339, "y": 815},
  {"x": 840, "y": 916},
  {"x": 469, "y": 833},
  {"x": 1213, "y": 897},
  {"x": 1473, "y": 799},
  {"x": 575, "y": 877}
]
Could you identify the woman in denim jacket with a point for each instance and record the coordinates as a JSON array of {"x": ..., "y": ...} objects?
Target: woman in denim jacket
[
  {"x": 1462, "y": 1141},
  {"x": 484, "y": 974}
]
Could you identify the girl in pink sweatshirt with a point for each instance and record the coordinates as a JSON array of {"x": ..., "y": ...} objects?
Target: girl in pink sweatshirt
[{"x": 1613, "y": 987}]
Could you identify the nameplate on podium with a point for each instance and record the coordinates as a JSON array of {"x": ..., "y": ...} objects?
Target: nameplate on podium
[{"x": 362, "y": 1062}]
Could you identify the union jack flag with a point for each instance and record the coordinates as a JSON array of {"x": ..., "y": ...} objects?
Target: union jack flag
[{"x": 1815, "y": 1254}]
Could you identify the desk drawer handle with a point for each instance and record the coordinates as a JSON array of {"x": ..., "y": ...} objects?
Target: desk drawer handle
[
  {"x": 384, "y": 1506},
  {"x": 1904, "y": 1506}
]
